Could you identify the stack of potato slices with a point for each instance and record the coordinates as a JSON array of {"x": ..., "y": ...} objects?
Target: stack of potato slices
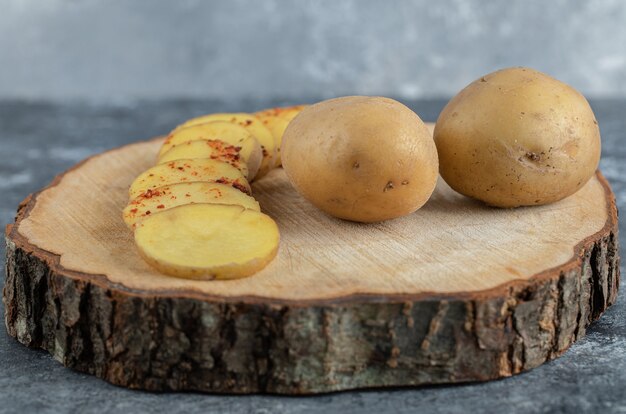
[{"x": 193, "y": 213}]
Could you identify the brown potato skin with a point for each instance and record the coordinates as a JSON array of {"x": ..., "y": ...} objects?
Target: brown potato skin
[
  {"x": 360, "y": 158},
  {"x": 517, "y": 137}
]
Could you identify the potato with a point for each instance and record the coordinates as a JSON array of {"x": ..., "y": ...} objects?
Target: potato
[
  {"x": 212, "y": 149},
  {"x": 277, "y": 126},
  {"x": 253, "y": 125},
  {"x": 361, "y": 158},
  {"x": 180, "y": 171},
  {"x": 208, "y": 241},
  {"x": 229, "y": 133},
  {"x": 276, "y": 120},
  {"x": 290, "y": 112},
  {"x": 517, "y": 137},
  {"x": 163, "y": 198}
]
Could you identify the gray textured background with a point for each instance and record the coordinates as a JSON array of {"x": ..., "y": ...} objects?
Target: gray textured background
[{"x": 117, "y": 50}]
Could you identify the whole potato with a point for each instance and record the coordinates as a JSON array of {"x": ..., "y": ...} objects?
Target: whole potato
[
  {"x": 517, "y": 137},
  {"x": 361, "y": 158}
]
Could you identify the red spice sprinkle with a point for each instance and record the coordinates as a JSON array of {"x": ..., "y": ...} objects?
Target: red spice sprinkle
[
  {"x": 151, "y": 193},
  {"x": 194, "y": 173},
  {"x": 148, "y": 213},
  {"x": 134, "y": 211},
  {"x": 181, "y": 168},
  {"x": 160, "y": 206},
  {"x": 240, "y": 187}
]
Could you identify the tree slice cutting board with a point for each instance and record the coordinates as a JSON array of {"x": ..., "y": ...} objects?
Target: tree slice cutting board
[{"x": 454, "y": 292}]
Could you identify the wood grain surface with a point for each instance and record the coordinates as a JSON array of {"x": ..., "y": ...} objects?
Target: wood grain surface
[
  {"x": 452, "y": 244},
  {"x": 454, "y": 292}
]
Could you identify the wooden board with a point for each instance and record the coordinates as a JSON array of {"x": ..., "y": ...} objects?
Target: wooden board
[{"x": 454, "y": 292}]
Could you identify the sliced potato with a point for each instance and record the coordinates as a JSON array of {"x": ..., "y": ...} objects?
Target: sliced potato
[
  {"x": 180, "y": 171},
  {"x": 227, "y": 132},
  {"x": 277, "y": 126},
  {"x": 289, "y": 112},
  {"x": 208, "y": 241},
  {"x": 276, "y": 120},
  {"x": 251, "y": 151},
  {"x": 163, "y": 198},
  {"x": 253, "y": 125},
  {"x": 212, "y": 149}
]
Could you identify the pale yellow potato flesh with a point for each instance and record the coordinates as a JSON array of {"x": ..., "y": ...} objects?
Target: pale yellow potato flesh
[
  {"x": 224, "y": 131},
  {"x": 277, "y": 120},
  {"x": 289, "y": 112},
  {"x": 192, "y": 213},
  {"x": 212, "y": 149},
  {"x": 277, "y": 126},
  {"x": 164, "y": 198},
  {"x": 208, "y": 241},
  {"x": 188, "y": 170},
  {"x": 253, "y": 125}
]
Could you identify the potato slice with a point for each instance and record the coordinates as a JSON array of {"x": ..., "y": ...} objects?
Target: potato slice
[
  {"x": 227, "y": 132},
  {"x": 181, "y": 171},
  {"x": 208, "y": 241},
  {"x": 253, "y": 125},
  {"x": 289, "y": 112},
  {"x": 163, "y": 198},
  {"x": 276, "y": 120},
  {"x": 277, "y": 126},
  {"x": 212, "y": 149}
]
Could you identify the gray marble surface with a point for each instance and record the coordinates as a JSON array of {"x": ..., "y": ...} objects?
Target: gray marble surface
[
  {"x": 120, "y": 49},
  {"x": 39, "y": 140}
]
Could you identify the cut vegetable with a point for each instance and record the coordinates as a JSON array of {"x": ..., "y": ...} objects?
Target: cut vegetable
[
  {"x": 208, "y": 241},
  {"x": 164, "y": 198},
  {"x": 186, "y": 170},
  {"x": 212, "y": 149},
  {"x": 253, "y": 125},
  {"x": 289, "y": 112},
  {"x": 276, "y": 120},
  {"x": 277, "y": 126},
  {"x": 251, "y": 151}
]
